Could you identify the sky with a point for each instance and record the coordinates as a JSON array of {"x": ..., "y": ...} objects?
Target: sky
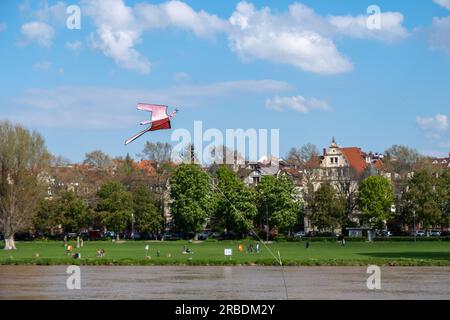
[{"x": 369, "y": 76}]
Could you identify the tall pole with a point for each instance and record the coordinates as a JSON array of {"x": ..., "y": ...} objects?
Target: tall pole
[
  {"x": 414, "y": 216},
  {"x": 267, "y": 222}
]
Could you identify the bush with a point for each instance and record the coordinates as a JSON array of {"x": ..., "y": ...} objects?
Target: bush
[{"x": 412, "y": 239}]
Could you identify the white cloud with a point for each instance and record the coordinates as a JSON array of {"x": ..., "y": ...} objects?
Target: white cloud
[
  {"x": 438, "y": 123},
  {"x": 391, "y": 27},
  {"x": 439, "y": 34},
  {"x": 297, "y": 37},
  {"x": 117, "y": 33},
  {"x": 98, "y": 107},
  {"x": 37, "y": 32},
  {"x": 75, "y": 45},
  {"x": 302, "y": 38},
  {"x": 120, "y": 27},
  {"x": 55, "y": 13},
  {"x": 443, "y": 3},
  {"x": 180, "y": 15},
  {"x": 42, "y": 65},
  {"x": 296, "y": 103},
  {"x": 258, "y": 34},
  {"x": 2, "y": 26}
]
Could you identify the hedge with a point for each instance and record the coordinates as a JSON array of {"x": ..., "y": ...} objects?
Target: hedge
[{"x": 358, "y": 239}]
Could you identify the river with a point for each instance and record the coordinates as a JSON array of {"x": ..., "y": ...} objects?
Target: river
[{"x": 223, "y": 282}]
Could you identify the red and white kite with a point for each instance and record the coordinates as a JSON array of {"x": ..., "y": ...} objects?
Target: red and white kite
[{"x": 160, "y": 119}]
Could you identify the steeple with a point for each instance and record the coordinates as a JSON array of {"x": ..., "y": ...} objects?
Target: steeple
[{"x": 333, "y": 143}]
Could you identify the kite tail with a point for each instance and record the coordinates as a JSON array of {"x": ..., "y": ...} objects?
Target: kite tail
[{"x": 137, "y": 135}]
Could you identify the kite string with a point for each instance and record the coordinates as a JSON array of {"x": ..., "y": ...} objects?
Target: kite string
[{"x": 279, "y": 260}]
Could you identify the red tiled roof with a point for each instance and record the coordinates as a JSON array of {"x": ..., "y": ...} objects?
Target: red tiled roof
[
  {"x": 378, "y": 164},
  {"x": 355, "y": 158},
  {"x": 147, "y": 166}
]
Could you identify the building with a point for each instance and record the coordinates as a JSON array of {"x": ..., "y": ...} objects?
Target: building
[{"x": 441, "y": 162}]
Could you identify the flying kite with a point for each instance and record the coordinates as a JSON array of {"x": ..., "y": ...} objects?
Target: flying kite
[{"x": 160, "y": 120}]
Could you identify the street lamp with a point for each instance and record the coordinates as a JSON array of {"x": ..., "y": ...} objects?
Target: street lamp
[
  {"x": 267, "y": 222},
  {"x": 414, "y": 217}
]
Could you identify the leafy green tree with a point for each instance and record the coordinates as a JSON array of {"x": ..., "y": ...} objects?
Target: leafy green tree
[
  {"x": 443, "y": 190},
  {"x": 115, "y": 204},
  {"x": 191, "y": 197},
  {"x": 67, "y": 209},
  {"x": 23, "y": 162},
  {"x": 279, "y": 201},
  {"x": 375, "y": 198},
  {"x": 47, "y": 215},
  {"x": 327, "y": 208},
  {"x": 235, "y": 207},
  {"x": 422, "y": 198},
  {"x": 146, "y": 214}
]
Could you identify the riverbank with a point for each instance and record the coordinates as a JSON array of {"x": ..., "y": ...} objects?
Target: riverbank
[{"x": 131, "y": 253}]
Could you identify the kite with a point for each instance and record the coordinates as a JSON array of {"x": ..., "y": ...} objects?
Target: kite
[{"x": 160, "y": 119}]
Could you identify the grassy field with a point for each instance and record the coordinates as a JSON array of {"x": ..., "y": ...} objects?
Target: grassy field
[{"x": 212, "y": 253}]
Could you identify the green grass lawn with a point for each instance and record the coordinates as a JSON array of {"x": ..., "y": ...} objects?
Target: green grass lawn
[{"x": 212, "y": 253}]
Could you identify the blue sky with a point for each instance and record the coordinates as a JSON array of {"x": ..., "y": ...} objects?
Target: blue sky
[{"x": 312, "y": 69}]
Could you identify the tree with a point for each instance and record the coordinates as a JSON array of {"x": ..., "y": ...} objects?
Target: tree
[
  {"x": 161, "y": 154},
  {"x": 191, "y": 197},
  {"x": 59, "y": 161},
  {"x": 115, "y": 204},
  {"x": 443, "y": 190},
  {"x": 127, "y": 173},
  {"x": 146, "y": 215},
  {"x": 400, "y": 159},
  {"x": 306, "y": 159},
  {"x": 158, "y": 152},
  {"x": 303, "y": 155},
  {"x": 67, "y": 209},
  {"x": 375, "y": 198},
  {"x": 23, "y": 158},
  {"x": 422, "y": 198},
  {"x": 347, "y": 188},
  {"x": 222, "y": 154},
  {"x": 278, "y": 202},
  {"x": 327, "y": 208},
  {"x": 235, "y": 207},
  {"x": 97, "y": 159}
]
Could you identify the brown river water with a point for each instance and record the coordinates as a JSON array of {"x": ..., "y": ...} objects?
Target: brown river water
[{"x": 223, "y": 282}]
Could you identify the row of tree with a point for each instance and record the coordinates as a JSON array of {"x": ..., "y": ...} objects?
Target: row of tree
[
  {"x": 224, "y": 200},
  {"x": 217, "y": 196},
  {"x": 115, "y": 209}
]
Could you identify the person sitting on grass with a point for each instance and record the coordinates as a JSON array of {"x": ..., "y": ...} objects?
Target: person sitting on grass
[{"x": 100, "y": 253}]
